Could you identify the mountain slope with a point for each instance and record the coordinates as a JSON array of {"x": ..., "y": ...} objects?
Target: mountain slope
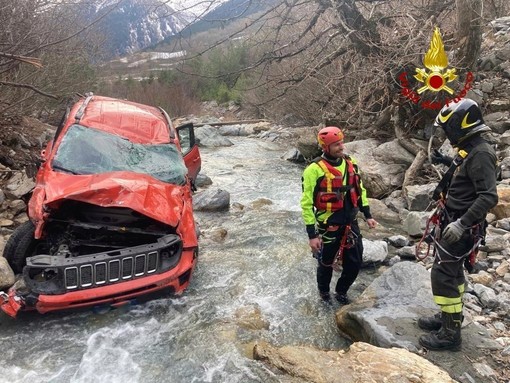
[{"x": 132, "y": 25}]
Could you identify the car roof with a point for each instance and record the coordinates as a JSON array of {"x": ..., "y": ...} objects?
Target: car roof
[{"x": 137, "y": 122}]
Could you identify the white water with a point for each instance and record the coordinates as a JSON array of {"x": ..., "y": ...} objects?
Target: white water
[{"x": 263, "y": 262}]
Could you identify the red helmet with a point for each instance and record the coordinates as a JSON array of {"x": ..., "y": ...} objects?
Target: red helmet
[{"x": 328, "y": 136}]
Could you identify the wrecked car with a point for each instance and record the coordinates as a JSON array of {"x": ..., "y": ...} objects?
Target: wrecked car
[{"x": 110, "y": 217}]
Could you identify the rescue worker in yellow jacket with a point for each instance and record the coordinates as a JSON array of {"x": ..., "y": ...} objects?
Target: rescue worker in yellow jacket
[{"x": 333, "y": 194}]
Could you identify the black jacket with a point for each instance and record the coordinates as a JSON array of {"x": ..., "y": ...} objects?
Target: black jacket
[{"x": 473, "y": 190}]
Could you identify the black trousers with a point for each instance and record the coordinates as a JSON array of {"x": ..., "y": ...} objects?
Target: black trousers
[
  {"x": 447, "y": 274},
  {"x": 352, "y": 257}
]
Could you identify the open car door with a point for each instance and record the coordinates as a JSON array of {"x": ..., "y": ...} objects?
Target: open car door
[{"x": 190, "y": 150}]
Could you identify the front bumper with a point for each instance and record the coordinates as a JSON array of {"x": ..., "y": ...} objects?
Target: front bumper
[
  {"x": 54, "y": 274},
  {"x": 172, "y": 273}
]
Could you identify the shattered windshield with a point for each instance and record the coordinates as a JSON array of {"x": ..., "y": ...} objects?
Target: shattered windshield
[{"x": 90, "y": 151}]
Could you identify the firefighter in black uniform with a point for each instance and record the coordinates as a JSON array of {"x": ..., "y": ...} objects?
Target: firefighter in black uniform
[{"x": 470, "y": 195}]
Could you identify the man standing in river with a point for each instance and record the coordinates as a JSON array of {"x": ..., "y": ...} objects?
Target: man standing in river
[{"x": 333, "y": 194}]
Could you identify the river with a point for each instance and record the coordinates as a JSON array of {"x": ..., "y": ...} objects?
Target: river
[{"x": 262, "y": 265}]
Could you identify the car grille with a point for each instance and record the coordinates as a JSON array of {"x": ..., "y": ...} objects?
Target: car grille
[
  {"x": 112, "y": 271},
  {"x": 53, "y": 274}
]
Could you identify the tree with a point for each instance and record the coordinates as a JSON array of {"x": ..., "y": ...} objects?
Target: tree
[
  {"x": 46, "y": 53},
  {"x": 341, "y": 59}
]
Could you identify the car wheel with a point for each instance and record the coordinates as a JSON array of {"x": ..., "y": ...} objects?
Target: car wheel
[{"x": 19, "y": 246}]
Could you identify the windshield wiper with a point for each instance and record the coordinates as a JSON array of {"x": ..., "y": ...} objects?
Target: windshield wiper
[{"x": 58, "y": 167}]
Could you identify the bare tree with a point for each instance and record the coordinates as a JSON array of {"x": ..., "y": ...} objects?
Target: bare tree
[
  {"x": 341, "y": 59},
  {"x": 46, "y": 53}
]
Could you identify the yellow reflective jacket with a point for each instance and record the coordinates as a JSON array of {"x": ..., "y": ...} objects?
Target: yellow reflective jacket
[{"x": 312, "y": 177}]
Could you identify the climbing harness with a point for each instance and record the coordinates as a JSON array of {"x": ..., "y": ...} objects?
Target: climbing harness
[
  {"x": 432, "y": 235},
  {"x": 347, "y": 241}
]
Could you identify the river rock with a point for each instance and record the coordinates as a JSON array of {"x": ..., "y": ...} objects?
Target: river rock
[
  {"x": 229, "y": 130},
  {"x": 374, "y": 252},
  {"x": 293, "y": 155},
  {"x": 385, "y": 312},
  {"x": 419, "y": 196},
  {"x": 486, "y": 295},
  {"x": 202, "y": 180},
  {"x": 407, "y": 252},
  {"x": 483, "y": 277},
  {"x": 362, "y": 362},
  {"x": 398, "y": 241},
  {"x": 6, "y": 275},
  {"x": 393, "y": 152},
  {"x": 415, "y": 223},
  {"x": 502, "y": 209},
  {"x": 211, "y": 200},
  {"x": 381, "y": 212},
  {"x": 18, "y": 185},
  {"x": 210, "y": 137},
  {"x": 379, "y": 178}
]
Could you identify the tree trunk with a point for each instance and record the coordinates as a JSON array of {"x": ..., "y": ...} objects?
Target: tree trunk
[{"x": 469, "y": 32}]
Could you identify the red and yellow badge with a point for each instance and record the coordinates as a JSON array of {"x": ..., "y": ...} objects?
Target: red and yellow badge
[
  {"x": 436, "y": 61},
  {"x": 437, "y": 77}
]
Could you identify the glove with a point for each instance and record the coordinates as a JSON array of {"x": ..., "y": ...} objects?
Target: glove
[
  {"x": 453, "y": 232},
  {"x": 437, "y": 157}
]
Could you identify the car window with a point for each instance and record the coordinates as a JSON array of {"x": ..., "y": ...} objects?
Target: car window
[{"x": 86, "y": 150}]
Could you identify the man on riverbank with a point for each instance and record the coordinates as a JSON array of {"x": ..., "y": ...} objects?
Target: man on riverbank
[
  {"x": 466, "y": 202},
  {"x": 333, "y": 194}
]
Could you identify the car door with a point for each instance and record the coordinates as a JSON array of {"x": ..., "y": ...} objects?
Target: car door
[{"x": 189, "y": 149}]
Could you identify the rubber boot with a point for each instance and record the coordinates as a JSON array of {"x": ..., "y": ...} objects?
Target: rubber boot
[
  {"x": 432, "y": 323},
  {"x": 448, "y": 337}
]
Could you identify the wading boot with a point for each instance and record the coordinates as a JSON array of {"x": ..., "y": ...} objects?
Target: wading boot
[{"x": 448, "y": 336}]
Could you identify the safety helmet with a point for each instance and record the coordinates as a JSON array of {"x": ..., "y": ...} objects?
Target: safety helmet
[
  {"x": 328, "y": 136},
  {"x": 461, "y": 120}
]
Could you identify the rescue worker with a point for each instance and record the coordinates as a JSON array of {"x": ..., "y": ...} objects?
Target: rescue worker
[
  {"x": 332, "y": 196},
  {"x": 470, "y": 195}
]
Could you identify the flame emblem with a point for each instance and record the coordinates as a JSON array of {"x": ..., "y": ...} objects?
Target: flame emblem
[{"x": 436, "y": 61}]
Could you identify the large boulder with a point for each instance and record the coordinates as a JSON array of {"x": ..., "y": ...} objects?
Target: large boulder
[
  {"x": 362, "y": 362},
  {"x": 393, "y": 300},
  {"x": 380, "y": 176},
  {"x": 385, "y": 315},
  {"x": 210, "y": 137}
]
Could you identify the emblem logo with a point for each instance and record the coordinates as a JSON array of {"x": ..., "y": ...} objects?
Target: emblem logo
[
  {"x": 435, "y": 79},
  {"x": 436, "y": 61}
]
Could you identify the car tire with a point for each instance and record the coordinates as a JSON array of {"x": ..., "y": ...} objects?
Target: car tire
[{"x": 20, "y": 244}]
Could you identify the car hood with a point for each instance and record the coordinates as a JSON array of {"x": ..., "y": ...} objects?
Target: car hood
[{"x": 158, "y": 200}]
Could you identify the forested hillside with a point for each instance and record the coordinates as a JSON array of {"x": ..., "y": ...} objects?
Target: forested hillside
[{"x": 300, "y": 62}]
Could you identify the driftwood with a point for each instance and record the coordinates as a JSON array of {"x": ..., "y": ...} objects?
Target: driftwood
[{"x": 239, "y": 122}]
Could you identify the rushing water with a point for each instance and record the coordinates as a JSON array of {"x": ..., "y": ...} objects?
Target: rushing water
[{"x": 262, "y": 264}]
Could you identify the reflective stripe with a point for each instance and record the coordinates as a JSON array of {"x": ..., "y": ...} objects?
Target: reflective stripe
[
  {"x": 452, "y": 309},
  {"x": 329, "y": 182},
  {"x": 461, "y": 289},
  {"x": 445, "y": 301}
]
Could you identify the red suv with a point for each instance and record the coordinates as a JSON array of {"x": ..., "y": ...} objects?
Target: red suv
[{"x": 111, "y": 214}]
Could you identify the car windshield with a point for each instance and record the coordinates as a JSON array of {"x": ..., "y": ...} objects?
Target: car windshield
[{"x": 90, "y": 151}]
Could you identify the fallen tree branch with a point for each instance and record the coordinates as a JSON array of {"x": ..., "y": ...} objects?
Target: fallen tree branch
[
  {"x": 28, "y": 86},
  {"x": 29, "y": 60},
  {"x": 411, "y": 172},
  {"x": 223, "y": 123}
]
